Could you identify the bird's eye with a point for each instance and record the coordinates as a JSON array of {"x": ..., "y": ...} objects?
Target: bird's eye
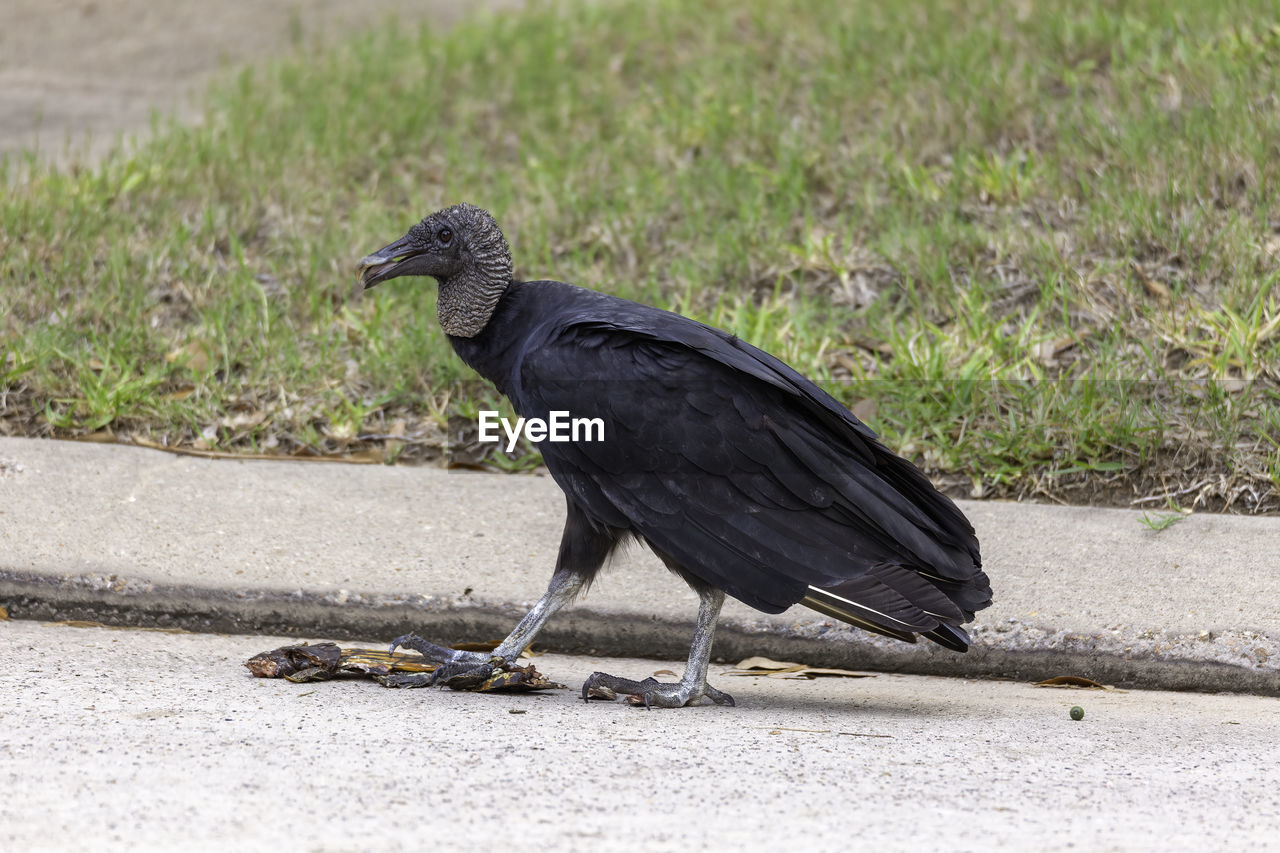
[{"x": 445, "y": 236}]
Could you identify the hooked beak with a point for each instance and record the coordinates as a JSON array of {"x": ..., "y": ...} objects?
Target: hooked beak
[{"x": 389, "y": 262}]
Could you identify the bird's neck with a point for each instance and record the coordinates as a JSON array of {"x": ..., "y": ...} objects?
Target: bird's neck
[
  {"x": 468, "y": 299},
  {"x": 494, "y": 353}
]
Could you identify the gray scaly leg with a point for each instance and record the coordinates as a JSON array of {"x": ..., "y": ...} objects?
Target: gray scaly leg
[
  {"x": 693, "y": 686},
  {"x": 583, "y": 549}
]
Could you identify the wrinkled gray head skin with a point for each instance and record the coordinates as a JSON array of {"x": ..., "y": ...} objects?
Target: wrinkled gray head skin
[{"x": 461, "y": 247}]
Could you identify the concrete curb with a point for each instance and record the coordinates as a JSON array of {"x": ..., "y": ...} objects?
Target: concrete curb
[
  {"x": 1162, "y": 661},
  {"x": 127, "y": 536}
]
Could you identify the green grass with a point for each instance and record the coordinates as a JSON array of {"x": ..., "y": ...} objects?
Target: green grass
[{"x": 1046, "y": 245}]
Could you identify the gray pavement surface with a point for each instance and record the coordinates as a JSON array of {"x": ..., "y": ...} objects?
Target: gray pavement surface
[
  {"x": 76, "y": 75},
  {"x": 119, "y": 739},
  {"x": 135, "y": 536}
]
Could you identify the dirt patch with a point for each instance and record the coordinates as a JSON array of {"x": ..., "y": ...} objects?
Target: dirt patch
[{"x": 77, "y": 75}]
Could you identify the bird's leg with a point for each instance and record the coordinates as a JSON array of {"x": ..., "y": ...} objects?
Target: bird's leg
[
  {"x": 583, "y": 549},
  {"x": 565, "y": 586},
  {"x": 693, "y": 685}
]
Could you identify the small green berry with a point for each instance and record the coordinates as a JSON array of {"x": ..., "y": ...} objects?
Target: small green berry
[{"x": 1077, "y": 713}]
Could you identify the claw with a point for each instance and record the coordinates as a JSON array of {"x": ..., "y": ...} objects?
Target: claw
[
  {"x": 651, "y": 692},
  {"x": 429, "y": 650},
  {"x": 718, "y": 696}
]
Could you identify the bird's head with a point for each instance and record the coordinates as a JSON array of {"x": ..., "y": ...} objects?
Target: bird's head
[{"x": 461, "y": 247}]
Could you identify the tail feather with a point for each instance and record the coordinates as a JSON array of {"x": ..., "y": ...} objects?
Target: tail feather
[
  {"x": 818, "y": 600},
  {"x": 900, "y": 602},
  {"x": 950, "y": 636},
  {"x": 922, "y": 594}
]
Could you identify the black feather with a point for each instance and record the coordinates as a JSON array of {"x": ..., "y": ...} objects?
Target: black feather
[{"x": 740, "y": 469}]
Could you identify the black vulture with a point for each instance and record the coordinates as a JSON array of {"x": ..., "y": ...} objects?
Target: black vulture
[{"x": 743, "y": 476}]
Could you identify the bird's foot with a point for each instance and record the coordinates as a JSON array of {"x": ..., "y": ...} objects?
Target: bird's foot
[
  {"x": 652, "y": 693},
  {"x": 459, "y": 670}
]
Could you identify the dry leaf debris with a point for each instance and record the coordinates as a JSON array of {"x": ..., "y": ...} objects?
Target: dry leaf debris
[
  {"x": 786, "y": 669},
  {"x": 307, "y": 662}
]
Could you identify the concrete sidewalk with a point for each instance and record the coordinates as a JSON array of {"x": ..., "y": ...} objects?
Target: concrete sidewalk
[
  {"x": 132, "y": 536},
  {"x": 77, "y": 76}
]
